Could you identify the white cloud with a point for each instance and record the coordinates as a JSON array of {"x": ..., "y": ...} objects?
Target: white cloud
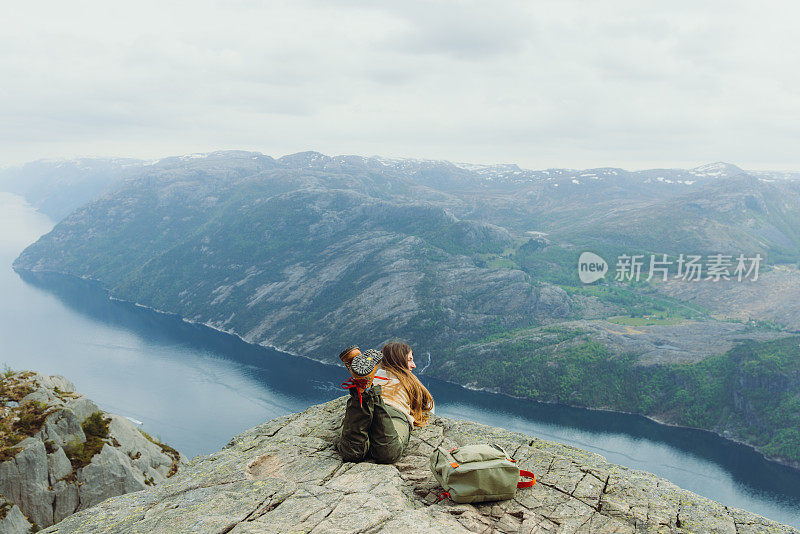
[{"x": 555, "y": 83}]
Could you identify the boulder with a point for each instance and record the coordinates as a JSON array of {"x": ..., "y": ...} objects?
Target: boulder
[
  {"x": 110, "y": 473},
  {"x": 25, "y": 482},
  {"x": 12, "y": 520}
]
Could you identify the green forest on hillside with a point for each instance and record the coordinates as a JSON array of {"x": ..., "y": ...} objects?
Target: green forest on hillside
[{"x": 754, "y": 387}]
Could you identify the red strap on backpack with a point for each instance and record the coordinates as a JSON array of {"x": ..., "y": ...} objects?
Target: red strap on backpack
[{"x": 527, "y": 483}]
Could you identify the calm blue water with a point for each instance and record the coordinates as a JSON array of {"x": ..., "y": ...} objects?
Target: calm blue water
[{"x": 196, "y": 388}]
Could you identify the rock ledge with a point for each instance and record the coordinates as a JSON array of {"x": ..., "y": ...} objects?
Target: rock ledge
[{"x": 285, "y": 476}]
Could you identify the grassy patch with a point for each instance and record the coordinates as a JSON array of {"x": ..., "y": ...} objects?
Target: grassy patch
[
  {"x": 7, "y": 371},
  {"x": 18, "y": 423},
  {"x": 96, "y": 429},
  {"x": 638, "y": 300},
  {"x": 7, "y": 453},
  {"x": 4, "y": 509},
  {"x": 31, "y": 418},
  {"x": 14, "y": 390},
  {"x": 645, "y": 320},
  {"x": 501, "y": 263},
  {"x": 64, "y": 395},
  {"x": 166, "y": 449}
]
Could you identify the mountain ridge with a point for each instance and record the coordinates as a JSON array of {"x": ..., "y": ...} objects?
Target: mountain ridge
[{"x": 317, "y": 251}]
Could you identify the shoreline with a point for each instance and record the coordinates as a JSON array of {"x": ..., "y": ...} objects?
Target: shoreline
[
  {"x": 794, "y": 466},
  {"x": 652, "y": 418}
]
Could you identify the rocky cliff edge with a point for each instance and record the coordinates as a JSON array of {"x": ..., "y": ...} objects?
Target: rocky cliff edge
[
  {"x": 285, "y": 476},
  {"x": 59, "y": 453}
]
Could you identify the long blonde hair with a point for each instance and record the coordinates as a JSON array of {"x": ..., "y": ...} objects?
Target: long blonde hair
[{"x": 395, "y": 359}]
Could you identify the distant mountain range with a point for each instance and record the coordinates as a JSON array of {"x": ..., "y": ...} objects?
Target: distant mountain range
[
  {"x": 57, "y": 187},
  {"x": 475, "y": 265}
]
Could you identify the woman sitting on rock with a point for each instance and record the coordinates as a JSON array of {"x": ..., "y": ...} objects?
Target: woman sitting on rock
[{"x": 379, "y": 418}]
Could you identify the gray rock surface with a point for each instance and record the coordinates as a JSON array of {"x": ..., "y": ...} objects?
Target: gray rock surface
[
  {"x": 40, "y": 478},
  {"x": 285, "y": 476},
  {"x": 110, "y": 473},
  {"x": 12, "y": 520},
  {"x": 25, "y": 482}
]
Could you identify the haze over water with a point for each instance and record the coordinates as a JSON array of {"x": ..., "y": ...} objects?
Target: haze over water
[{"x": 196, "y": 388}]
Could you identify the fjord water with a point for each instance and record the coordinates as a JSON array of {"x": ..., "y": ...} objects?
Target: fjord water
[{"x": 195, "y": 388}]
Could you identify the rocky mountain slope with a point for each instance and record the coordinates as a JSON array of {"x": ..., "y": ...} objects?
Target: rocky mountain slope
[
  {"x": 59, "y": 453},
  {"x": 285, "y": 476},
  {"x": 474, "y": 265},
  {"x": 775, "y": 299},
  {"x": 308, "y": 250},
  {"x": 297, "y": 256}
]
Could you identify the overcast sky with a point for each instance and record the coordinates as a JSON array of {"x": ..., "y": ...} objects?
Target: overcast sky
[{"x": 543, "y": 84}]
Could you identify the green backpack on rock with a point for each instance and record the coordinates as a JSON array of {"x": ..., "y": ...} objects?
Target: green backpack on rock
[{"x": 478, "y": 473}]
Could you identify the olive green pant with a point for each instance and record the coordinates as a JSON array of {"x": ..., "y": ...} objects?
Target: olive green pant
[{"x": 372, "y": 428}]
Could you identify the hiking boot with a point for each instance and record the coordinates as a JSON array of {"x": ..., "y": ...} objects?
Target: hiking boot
[
  {"x": 362, "y": 367},
  {"x": 348, "y": 354}
]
